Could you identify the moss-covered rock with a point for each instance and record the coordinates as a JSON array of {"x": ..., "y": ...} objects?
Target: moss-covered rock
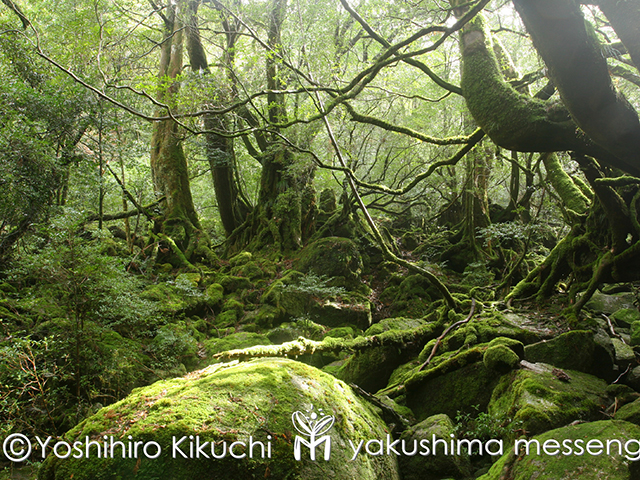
[
  {"x": 176, "y": 298},
  {"x": 624, "y": 353},
  {"x": 189, "y": 280},
  {"x": 458, "y": 390},
  {"x": 214, "y": 295},
  {"x": 432, "y": 467},
  {"x": 608, "y": 304},
  {"x": 515, "y": 345},
  {"x": 398, "y": 323},
  {"x": 231, "y": 283},
  {"x": 487, "y": 327},
  {"x": 251, "y": 270},
  {"x": 575, "y": 350},
  {"x": 289, "y": 331},
  {"x": 370, "y": 369},
  {"x": 630, "y": 412},
  {"x": 561, "y": 463},
  {"x": 540, "y": 397},
  {"x": 341, "y": 332},
  {"x": 240, "y": 259},
  {"x": 500, "y": 358},
  {"x": 248, "y": 402},
  {"x": 334, "y": 257},
  {"x": 635, "y": 333},
  {"x": 625, "y": 317},
  {"x": 353, "y": 310},
  {"x": 283, "y": 294}
]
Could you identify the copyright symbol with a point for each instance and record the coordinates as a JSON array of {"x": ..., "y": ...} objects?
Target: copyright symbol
[{"x": 16, "y": 447}]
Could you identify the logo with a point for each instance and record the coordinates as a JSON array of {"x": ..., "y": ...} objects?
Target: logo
[{"x": 312, "y": 425}]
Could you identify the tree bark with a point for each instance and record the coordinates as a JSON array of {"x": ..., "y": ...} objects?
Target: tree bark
[
  {"x": 220, "y": 149},
  {"x": 168, "y": 162},
  {"x": 572, "y": 53}
]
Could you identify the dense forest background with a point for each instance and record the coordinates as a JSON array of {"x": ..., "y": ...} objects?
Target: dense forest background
[{"x": 184, "y": 179}]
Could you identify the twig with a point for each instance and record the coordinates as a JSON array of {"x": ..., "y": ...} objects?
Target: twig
[
  {"x": 622, "y": 375},
  {"x": 444, "y": 334},
  {"x": 613, "y": 332}
]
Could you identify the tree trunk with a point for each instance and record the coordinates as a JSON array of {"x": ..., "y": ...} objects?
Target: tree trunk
[
  {"x": 179, "y": 221},
  {"x": 232, "y": 208},
  {"x": 284, "y": 216},
  {"x": 577, "y": 67}
]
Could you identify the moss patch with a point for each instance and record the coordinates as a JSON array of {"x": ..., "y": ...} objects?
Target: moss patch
[
  {"x": 543, "y": 398},
  {"x": 573, "y": 467}
]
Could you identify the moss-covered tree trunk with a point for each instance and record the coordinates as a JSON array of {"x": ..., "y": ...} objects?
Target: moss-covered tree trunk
[
  {"x": 179, "y": 227},
  {"x": 594, "y": 121},
  {"x": 284, "y": 216},
  {"x": 220, "y": 149}
]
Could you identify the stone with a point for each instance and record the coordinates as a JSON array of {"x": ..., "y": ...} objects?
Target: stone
[
  {"x": 624, "y": 353},
  {"x": 500, "y": 358},
  {"x": 332, "y": 257},
  {"x": 225, "y": 403},
  {"x": 432, "y": 467},
  {"x": 576, "y": 350},
  {"x": 541, "y": 397},
  {"x": 629, "y": 412},
  {"x": 625, "y": 317},
  {"x": 575, "y": 466},
  {"x": 608, "y": 304}
]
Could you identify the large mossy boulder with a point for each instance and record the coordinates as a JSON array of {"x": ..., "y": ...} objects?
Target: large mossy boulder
[
  {"x": 609, "y": 304},
  {"x": 575, "y": 350},
  {"x": 432, "y": 467},
  {"x": 455, "y": 389},
  {"x": 541, "y": 397},
  {"x": 563, "y": 461},
  {"x": 222, "y": 404}
]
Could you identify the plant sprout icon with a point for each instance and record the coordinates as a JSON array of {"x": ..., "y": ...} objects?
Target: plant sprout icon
[{"x": 312, "y": 426}]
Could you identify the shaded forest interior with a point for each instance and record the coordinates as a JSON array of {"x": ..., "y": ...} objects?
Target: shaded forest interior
[{"x": 433, "y": 202}]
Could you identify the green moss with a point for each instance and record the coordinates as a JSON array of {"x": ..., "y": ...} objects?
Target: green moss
[
  {"x": 625, "y": 317},
  {"x": 398, "y": 323},
  {"x": 232, "y": 283},
  {"x": 515, "y": 345},
  {"x": 333, "y": 257},
  {"x": 541, "y": 400},
  {"x": 576, "y": 466},
  {"x": 250, "y": 270},
  {"x": 371, "y": 368},
  {"x": 227, "y": 318},
  {"x": 630, "y": 412},
  {"x": 170, "y": 301},
  {"x": 234, "y": 341},
  {"x": 433, "y": 467},
  {"x": 564, "y": 186},
  {"x": 460, "y": 389},
  {"x": 189, "y": 279},
  {"x": 7, "y": 288},
  {"x": 231, "y": 403},
  {"x": 500, "y": 358},
  {"x": 240, "y": 259},
  {"x": 214, "y": 294},
  {"x": 341, "y": 332},
  {"x": 573, "y": 350},
  {"x": 233, "y": 304}
]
